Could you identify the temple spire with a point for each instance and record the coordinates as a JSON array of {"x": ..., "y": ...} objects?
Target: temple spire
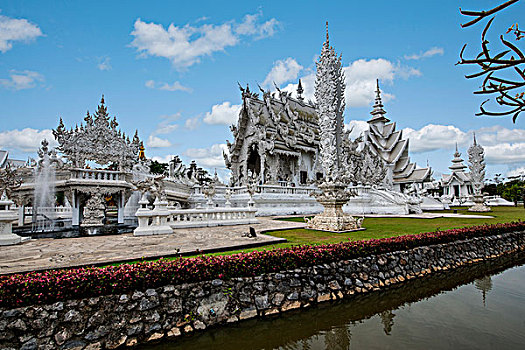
[
  {"x": 300, "y": 91},
  {"x": 475, "y": 143},
  {"x": 378, "y": 113},
  {"x": 457, "y": 162},
  {"x": 327, "y": 37},
  {"x": 329, "y": 94}
]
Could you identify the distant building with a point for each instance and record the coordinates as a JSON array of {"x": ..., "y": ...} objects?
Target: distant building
[
  {"x": 458, "y": 184},
  {"x": 389, "y": 144},
  {"x": 5, "y": 161}
]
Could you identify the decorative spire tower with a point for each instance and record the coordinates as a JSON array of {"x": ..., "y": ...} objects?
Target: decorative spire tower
[
  {"x": 457, "y": 162},
  {"x": 476, "y": 158},
  {"x": 378, "y": 113},
  {"x": 329, "y": 94}
]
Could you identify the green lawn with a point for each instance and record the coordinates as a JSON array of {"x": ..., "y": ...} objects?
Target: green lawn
[
  {"x": 386, "y": 227},
  {"x": 389, "y": 227}
]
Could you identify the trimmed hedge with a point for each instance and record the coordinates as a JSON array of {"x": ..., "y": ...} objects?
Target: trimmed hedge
[{"x": 50, "y": 286}]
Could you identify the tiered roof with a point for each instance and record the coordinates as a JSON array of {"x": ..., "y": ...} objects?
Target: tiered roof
[
  {"x": 388, "y": 143},
  {"x": 458, "y": 170},
  {"x": 289, "y": 123},
  {"x": 457, "y": 162}
]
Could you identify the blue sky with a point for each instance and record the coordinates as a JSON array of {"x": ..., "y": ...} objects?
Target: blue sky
[{"x": 170, "y": 69}]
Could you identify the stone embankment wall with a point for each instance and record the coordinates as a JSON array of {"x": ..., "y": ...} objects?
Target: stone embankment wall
[{"x": 168, "y": 312}]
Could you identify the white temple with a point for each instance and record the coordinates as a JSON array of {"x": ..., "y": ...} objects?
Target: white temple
[
  {"x": 457, "y": 186},
  {"x": 277, "y": 146},
  {"x": 276, "y": 141},
  {"x": 389, "y": 144}
]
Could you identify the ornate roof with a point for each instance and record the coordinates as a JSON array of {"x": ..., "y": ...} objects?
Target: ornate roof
[
  {"x": 98, "y": 139},
  {"x": 378, "y": 113},
  {"x": 460, "y": 176},
  {"x": 390, "y": 145},
  {"x": 288, "y": 125},
  {"x": 457, "y": 162}
]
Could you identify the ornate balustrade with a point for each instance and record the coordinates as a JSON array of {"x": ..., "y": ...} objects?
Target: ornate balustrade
[
  {"x": 280, "y": 189},
  {"x": 97, "y": 175},
  {"x": 207, "y": 217},
  {"x": 152, "y": 221},
  {"x": 51, "y": 212}
]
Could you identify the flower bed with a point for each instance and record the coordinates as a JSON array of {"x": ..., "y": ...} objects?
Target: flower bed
[{"x": 51, "y": 286}]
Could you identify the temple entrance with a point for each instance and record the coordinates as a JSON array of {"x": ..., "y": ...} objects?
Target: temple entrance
[
  {"x": 254, "y": 161},
  {"x": 456, "y": 190},
  {"x": 304, "y": 177}
]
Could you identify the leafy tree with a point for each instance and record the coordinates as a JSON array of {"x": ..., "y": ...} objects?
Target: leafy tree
[
  {"x": 158, "y": 168},
  {"x": 502, "y": 68},
  {"x": 513, "y": 192}
]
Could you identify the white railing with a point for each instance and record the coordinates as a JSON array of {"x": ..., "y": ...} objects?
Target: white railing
[
  {"x": 280, "y": 189},
  {"x": 203, "y": 217},
  {"x": 97, "y": 175},
  {"x": 152, "y": 221},
  {"x": 51, "y": 212}
]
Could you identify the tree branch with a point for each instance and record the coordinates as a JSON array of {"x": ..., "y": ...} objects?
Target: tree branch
[{"x": 482, "y": 14}]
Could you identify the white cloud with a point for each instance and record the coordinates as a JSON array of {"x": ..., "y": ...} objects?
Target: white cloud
[
  {"x": 105, "y": 64},
  {"x": 166, "y": 126},
  {"x": 433, "y": 137},
  {"x": 502, "y": 145},
  {"x": 498, "y": 134},
  {"x": 505, "y": 153},
  {"x": 516, "y": 172},
  {"x": 223, "y": 114},
  {"x": 250, "y": 26},
  {"x": 192, "y": 123},
  {"x": 12, "y": 29},
  {"x": 307, "y": 82},
  {"x": 210, "y": 157},
  {"x": 176, "y": 86},
  {"x": 157, "y": 142},
  {"x": 27, "y": 140},
  {"x": 20, "y": 80},
  {"x": 185, "y": 45},
  {"x": 433, "y": 51},
  {"x": 164, "y": 159},
  {"x": 282, "y": 72},
  {"x": 357, "y": 127},
  {"x": 360, "y": 78}
]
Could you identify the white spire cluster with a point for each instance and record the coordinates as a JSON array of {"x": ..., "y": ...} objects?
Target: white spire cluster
[{"x": 329, "y": 94}]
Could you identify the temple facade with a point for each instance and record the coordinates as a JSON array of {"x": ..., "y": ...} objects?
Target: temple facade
[
  {"x": 457, "y": 186},
  {"x": 387, "y": 142},
  {"x": 276, "y": 141}
]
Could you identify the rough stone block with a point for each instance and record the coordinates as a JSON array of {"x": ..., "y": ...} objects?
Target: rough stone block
[
  {"x": 323, "y": 297},
  {"x": 155, "y": 336},
  {"x": 174, "y": 332},
  {"x": 247, "y": 313}
]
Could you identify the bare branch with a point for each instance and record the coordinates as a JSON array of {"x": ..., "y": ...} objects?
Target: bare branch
[
  {"x": 490, "y": 65},
  {"x": 482, "y": 14}
]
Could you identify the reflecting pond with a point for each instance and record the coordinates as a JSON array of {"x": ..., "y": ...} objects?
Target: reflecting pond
[{"x": 476, "y": 307}]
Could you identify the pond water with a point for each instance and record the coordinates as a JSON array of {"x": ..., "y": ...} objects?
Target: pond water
[{"x": 478, "y": 307}]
